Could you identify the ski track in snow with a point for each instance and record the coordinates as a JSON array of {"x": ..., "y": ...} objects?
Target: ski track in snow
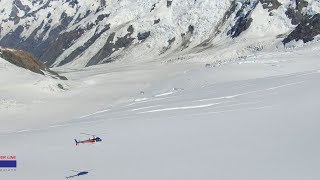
[
  {"x": 101, "y": 113},
  {"x": 223, "y": 111},
  {"x": 181, "y": 108},
  {"x": 234, "y": 110},
  {"x": 250, "y": 92},
  {"x": 285, "y": 85},
  {"x": 95, "y": 113},
  {"x": 145, "y": 101},
  {"x": 147, "y": 107},
  {"x": 164, "y": 94}
]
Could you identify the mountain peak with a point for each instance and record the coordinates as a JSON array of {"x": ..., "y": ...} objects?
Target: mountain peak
[{"x": 83, "y": 33}]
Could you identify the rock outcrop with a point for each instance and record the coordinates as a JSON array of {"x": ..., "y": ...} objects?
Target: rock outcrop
[{"x": 28, "y": 61}]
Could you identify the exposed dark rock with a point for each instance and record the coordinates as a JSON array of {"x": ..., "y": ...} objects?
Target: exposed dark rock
[
  {"x": 156, "y": 21},
  {"x": 22, "y": 7},
  {"x": 123, "y": 42},
  {"x": 170, "y": 41},
  {"x": 80, "y": 18},
  {"x": 72, "y": 3},
  {"x": 186, "y": 37},
  {"x": 86, "y": 45},
  {"x": 14, "y": 15},
  {"x": 37, "y": 1},
  {"x": 270, "y": 4},
  {"x": 49, "y": 15},
  {"x": 143, "y": 36},
  {"x": 130, "y": 29},
  {"x": 300, "y": 4},
  {"x": 12, "y": 39},
  {"x": 57, "y": 43},
  {"x": 103, "y": 3},
  {"x": 101, "y": 17},
  {"x": 153, "y": 7},
  {"x": 18, "y": 6},
  {"x": 305, "y": 31},
  {"x": 106, "y": 51},
  {"x": 295, "y": 13},
  {"x": 57, "y": 47},
  {"x": 110, "y": 47},
  {"x": 219, "y": 26},
  {"x": 242, "y": 24},
  {"x": 169, "y": 3},
  {"x": 63, "y": 16},
  {"x": 60, "y": 86},
  {"x": 32, "y": 13},
  {"x": 191, "y": 29},
  {"x": 32, "y": 43},
  {"x": 165, "y": 49},
  {"x": 243, "y": 19}
]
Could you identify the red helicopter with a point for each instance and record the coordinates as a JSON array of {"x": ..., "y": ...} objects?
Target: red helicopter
[{"x": 92, "y": 140}]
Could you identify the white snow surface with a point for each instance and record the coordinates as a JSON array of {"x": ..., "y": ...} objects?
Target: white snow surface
[{"x": 254, "y": 118}]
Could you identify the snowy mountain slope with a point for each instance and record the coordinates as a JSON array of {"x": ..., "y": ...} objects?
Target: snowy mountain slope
[
  {"x": 82, "y": 33},
  {"x": 241, "y": 105},
  {"x": 17, "y": 84},
  {"x": 253, "y": 119}
]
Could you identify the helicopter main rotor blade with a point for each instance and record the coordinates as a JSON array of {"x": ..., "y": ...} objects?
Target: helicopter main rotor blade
[
  {"x": 74, "y": 171},
  {"x": 88, "y": 134}
]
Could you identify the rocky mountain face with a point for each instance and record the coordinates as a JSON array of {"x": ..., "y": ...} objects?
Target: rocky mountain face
[
  {"x": 81, "y": 33},
  {"x": 28, "y": 61}
]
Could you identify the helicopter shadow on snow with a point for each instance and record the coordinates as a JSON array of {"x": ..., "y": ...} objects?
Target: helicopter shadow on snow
[
  {"x": 79, "y": 173},
  {"x": 92, "y": 140}
]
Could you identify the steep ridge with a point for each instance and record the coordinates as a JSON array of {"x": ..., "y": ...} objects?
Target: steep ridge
[{"x": 80, "y": 33}]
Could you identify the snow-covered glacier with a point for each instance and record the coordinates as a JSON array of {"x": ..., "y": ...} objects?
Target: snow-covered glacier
[{"x": 176, "y": 89}]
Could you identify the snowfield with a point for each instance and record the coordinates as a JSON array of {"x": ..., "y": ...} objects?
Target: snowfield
[{"x": 255, "y": 118}]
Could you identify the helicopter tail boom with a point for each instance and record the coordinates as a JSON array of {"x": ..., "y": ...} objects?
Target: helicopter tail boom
[{"x": 76, "y": 142}]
